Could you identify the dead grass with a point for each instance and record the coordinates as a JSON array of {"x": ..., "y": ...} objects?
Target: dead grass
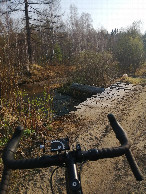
[
  {"x": 137, "y": 80},
  {"x": 134, "y": 80},
  {"x": 141, "y": 71},
  {"x": 39, "y": 73},
  {"x": 140, "y": 76}
]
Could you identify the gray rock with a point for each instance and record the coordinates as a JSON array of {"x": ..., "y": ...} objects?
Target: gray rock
[{"x": 84, "y": 91}]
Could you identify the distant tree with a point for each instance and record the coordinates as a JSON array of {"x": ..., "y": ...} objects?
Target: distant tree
[
  {"x": 114, "y": 32},
  {"x": 40, "y": 25},
  {"x": 85, "y": 32},
  {"x": 102, "y": 40},
  {"x": 73, "y": 29},
  {"x": 57, "y": 53},
  {"x": 135, "y": 29},
  {"x": 45, "y": 28},
  {"x": 144, "y": 42},
  {"x": 81, "y": 33},
  {"x": 129, "y": 51}
]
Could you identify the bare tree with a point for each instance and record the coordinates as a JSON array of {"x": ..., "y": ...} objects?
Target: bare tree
[{"x": 47, "y": 22}]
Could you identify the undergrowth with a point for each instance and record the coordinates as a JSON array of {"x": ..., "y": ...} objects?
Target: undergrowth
[{"x": 35, "y": 114}]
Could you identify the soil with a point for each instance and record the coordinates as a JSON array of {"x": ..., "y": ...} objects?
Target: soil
[{"x": 89, "y": 125}]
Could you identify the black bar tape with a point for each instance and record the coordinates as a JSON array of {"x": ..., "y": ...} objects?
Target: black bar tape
[
  {"x": 120, "y": 133},
  {"x": 112, "y": 152},
  {"x": 42, "y": 162},
  {"x": 11, "y": 163},
  {"x": 14, "y": 141},
  {"x": 134, "y": 166},
  {"x": 5, "y": 181},
  {"x": 122, "y": 137},
  {"x": 95, "y": 154}
]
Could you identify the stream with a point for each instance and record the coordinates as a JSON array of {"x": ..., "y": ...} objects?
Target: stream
[{"x": 62, "y": 103}]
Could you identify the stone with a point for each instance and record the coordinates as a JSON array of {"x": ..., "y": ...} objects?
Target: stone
[{"x": 81, "y": 91}]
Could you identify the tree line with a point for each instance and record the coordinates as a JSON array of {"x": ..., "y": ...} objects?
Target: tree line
[{"x": 42, "y": 37}]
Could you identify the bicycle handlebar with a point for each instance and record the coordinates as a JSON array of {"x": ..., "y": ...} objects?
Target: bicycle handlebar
[
  {"x": 60, "y": 159},
  {"x": 120, "y": 133},
  {"x": 122, "y": 137}
]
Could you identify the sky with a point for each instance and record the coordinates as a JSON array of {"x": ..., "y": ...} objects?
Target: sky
[{"x": 110, "y": 14}]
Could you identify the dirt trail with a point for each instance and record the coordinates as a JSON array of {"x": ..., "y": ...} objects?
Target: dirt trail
[
  {"x": 114, "y": 175},
  {"x": 108, "y": 175}
]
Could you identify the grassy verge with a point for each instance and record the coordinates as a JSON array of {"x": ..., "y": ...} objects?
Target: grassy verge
[{"x": 136, "y": 80}]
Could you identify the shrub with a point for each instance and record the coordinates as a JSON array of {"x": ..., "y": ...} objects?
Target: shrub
[
  {"x": 129, "y": 51},
  {"x": 95, "y": 68}
]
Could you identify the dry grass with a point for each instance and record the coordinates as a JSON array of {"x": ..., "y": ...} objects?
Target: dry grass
[
  {"x": 39, "y": 73},
  {"x": 141, "y": 71},
  {"x": 137, "y": 80}
]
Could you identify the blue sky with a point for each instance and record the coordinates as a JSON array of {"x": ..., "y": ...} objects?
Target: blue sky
[{"x": 110, "y": 14}]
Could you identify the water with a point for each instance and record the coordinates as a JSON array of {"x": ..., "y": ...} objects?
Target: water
[{"x": 62, "y": 104}]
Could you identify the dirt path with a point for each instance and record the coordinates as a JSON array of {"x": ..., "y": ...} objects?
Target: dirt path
[
  {"x": 114, "y": 175},
  {"x": 104, "y": 176}
]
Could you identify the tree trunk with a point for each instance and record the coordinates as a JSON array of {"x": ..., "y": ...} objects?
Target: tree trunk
[{"x": 28, "y": 35}]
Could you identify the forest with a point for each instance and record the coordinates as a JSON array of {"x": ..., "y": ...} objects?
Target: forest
[
  {"x": 42, "y": 37},
  {"x": 34, "y": 34}
]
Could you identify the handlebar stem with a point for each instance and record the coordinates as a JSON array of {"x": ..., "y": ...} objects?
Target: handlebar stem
[{"x": 74, "y": 182}]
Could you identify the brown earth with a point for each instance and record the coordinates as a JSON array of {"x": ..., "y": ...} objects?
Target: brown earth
[{"x": 89, "y": 125}]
